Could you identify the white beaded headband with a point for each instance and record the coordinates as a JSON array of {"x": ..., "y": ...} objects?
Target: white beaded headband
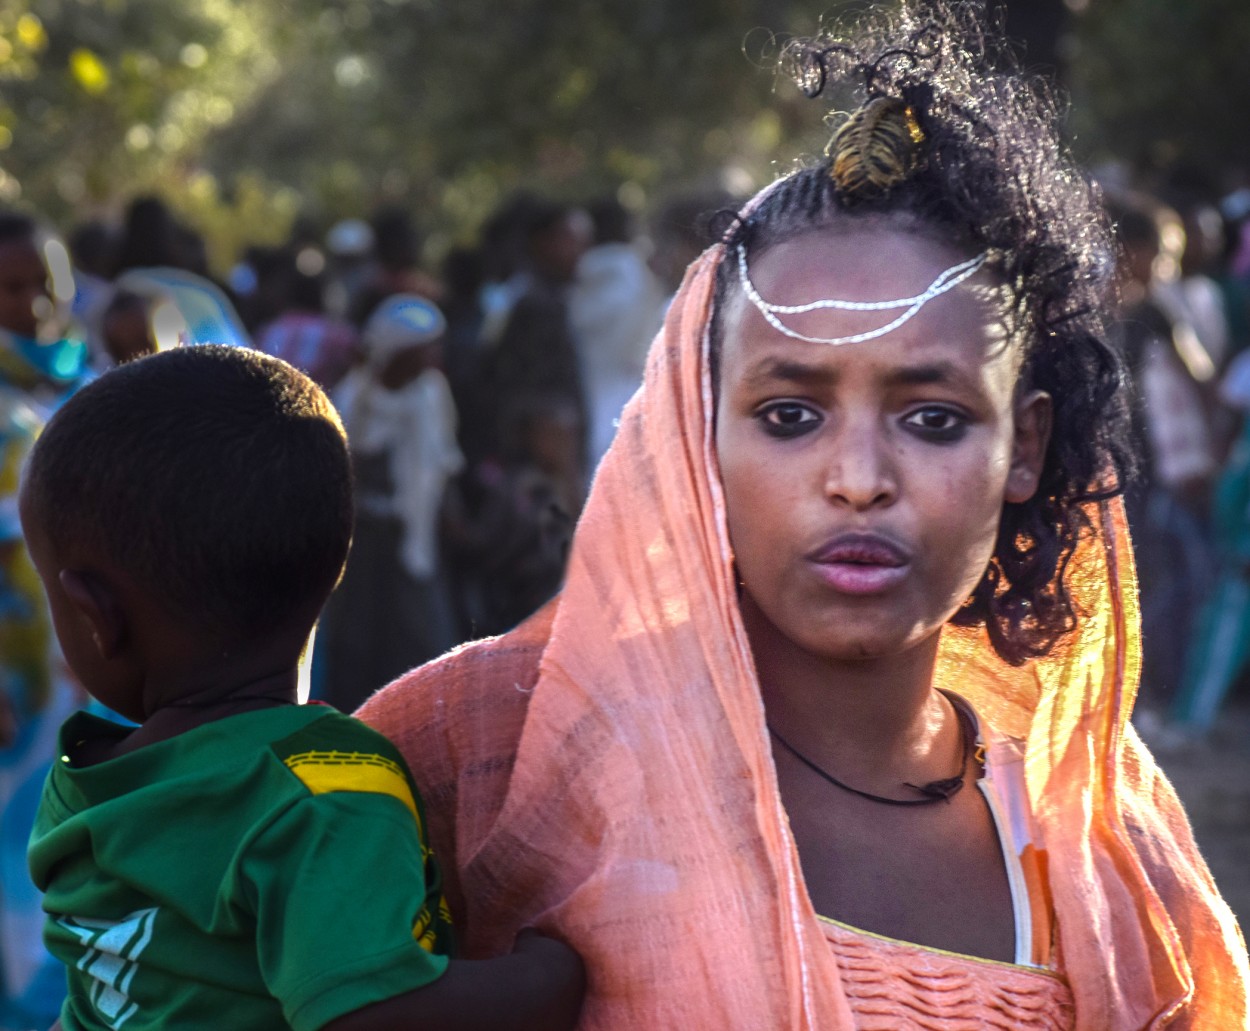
[{"x": 947, "y": 280}]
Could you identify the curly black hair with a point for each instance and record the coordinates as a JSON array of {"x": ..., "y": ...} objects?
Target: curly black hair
[{"x": 993, "y": 177}]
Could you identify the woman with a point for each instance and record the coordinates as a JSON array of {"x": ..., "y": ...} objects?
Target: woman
[{"x": 828, "y": 728}]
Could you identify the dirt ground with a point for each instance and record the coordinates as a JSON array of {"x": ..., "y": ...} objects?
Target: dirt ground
[{"x": 1213, "y": 780}]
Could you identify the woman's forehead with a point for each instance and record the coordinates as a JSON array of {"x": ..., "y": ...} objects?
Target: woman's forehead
[
  {"x": 969, "y": 323},
  {"x": 872, "y": 262}
]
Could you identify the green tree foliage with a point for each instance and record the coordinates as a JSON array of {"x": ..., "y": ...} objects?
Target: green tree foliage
[
  {"x": 454, "y": 104},
  {"x": 100, "y": 99},
  {"x": 1163, "y": 82},
  {"x": 342, "y": 104},
  {"x": 242, "y": 112},
  {"x": 119, "y": 90}
]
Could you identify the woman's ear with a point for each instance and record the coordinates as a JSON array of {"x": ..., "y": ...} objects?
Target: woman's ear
[
  {"x": 97, "y": 603},
  {"x": 1028, "y": 447}
]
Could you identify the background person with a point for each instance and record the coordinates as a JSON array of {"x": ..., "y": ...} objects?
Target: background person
[
  {"x": 393, "y": 609},
  {"x": 40, "y": 366},
  {"x": 615, "y": 308}
]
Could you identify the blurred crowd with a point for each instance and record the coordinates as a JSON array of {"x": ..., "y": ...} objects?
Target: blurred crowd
[
  {"x": 1183, "y": 326},
  {"x": 479, "y": 393}
]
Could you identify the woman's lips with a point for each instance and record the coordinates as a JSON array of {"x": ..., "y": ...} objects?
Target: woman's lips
[{"x": 860, "y": 563}]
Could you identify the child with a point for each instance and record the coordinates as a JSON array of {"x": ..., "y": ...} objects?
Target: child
[{"x": 237, "y": 860}]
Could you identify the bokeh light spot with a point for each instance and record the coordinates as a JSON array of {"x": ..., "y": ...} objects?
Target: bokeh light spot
[
  {"x": 194, "y": 55},
  {"x": 60, "y": 270},
  {"x": 351, "y": 72},
  {"x": 89, "y": 71},
  {"x": 169, "y": 328},
  {"x": 138, "y": 137},
  {"x": 632, "y": 196},
  {"x": 310, "y": 261},
  {"x": 30, "y": 32}
]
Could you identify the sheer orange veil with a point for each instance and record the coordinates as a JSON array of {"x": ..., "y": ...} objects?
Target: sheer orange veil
[{"x": 603, "y": 772}]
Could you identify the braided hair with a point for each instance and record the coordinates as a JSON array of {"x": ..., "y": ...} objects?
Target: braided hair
[{"x": 948, "y": 144}]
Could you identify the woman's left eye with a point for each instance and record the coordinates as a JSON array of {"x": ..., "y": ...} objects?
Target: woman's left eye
[{"x": 937, "y": 423}]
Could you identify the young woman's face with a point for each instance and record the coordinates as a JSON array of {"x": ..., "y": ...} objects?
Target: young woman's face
[{"x": 864, "y": 482}]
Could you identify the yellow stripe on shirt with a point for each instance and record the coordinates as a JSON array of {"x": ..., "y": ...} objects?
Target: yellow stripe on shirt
[{"x": 323, "y": 772}]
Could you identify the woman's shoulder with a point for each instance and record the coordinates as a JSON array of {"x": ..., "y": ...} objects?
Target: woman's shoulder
[{"x": 473, "y": 698}]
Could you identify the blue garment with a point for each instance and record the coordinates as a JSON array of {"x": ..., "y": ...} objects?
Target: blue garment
[
  {"x": 32, "y": 983},
  {"x": 35, "y": 378},
  {"x": 1221, "y": 643},
  {"x": 61, "y": 361}
]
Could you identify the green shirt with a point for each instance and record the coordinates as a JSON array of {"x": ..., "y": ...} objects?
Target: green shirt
[{"x": 262, "y": 870}]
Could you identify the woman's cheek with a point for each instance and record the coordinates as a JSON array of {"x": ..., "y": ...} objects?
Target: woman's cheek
[{"x": 970, "y": 499}]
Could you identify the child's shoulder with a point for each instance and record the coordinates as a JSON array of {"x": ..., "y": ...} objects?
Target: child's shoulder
[
  {"x": 332, "y": 752},
  {"x": 324, "y": 728}
]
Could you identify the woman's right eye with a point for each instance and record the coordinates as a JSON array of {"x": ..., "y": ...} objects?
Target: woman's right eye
[{"x": 787, "y": 419}]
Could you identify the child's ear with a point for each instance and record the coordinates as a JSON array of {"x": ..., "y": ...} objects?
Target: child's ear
[
  {"x": 1028, "y": 448},
  {"x": 97, "y": 602}
]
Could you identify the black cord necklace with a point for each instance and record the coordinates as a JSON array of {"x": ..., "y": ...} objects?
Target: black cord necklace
[
  {"x": 935, "y": 791},
  {"x": 229, "y": 700}
]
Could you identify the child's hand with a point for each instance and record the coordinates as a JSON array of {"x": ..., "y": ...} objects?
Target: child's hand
[
  {"x": 537, "y": 987},
  {"x": 563, "y": 970}
]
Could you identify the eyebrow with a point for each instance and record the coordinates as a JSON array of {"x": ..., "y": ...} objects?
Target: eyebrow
[
  {"x": 791, "y": 371},
  {"x": 918, "y": 375},
  {"x": 801, "y": 372}
]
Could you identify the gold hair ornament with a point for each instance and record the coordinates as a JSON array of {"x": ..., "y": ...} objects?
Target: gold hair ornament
[
  {"x": 876, "y": 148},
  {"x": 946, "y": 280}
]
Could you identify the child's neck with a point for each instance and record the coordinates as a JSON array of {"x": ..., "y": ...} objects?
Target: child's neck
[{"x": 177, "y": 712}]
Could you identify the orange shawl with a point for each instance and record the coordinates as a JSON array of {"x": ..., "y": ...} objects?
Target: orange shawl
[{"x": 603, "y": 771}]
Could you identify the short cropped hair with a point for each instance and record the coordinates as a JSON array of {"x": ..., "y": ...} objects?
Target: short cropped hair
[{"x": 217, "y": 477}]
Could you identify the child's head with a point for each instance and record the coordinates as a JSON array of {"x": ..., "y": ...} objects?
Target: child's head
[
  {"x": 402, "y": 339},
  {"x": 1139, "y": 240},
  {"x": 211, "y": 484},
  {"x": 396, "y": 240},
  {"x": 947, "y": 167},
  {"x": 544, "y": 430},
  {"x": 126, "y": 327},
  {"x": 558, "y": 237}
]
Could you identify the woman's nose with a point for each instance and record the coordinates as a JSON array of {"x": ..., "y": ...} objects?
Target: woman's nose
[{"x": 861, "y": 472}]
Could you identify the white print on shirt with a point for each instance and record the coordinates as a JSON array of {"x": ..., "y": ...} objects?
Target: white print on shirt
[{"x": 111, "y": 959}]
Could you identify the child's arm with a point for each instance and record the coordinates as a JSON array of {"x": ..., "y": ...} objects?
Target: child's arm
[{"x": 538, "y": 987}]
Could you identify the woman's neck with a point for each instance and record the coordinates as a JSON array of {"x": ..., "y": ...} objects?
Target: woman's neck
[{"x": 876, "y": 718}]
